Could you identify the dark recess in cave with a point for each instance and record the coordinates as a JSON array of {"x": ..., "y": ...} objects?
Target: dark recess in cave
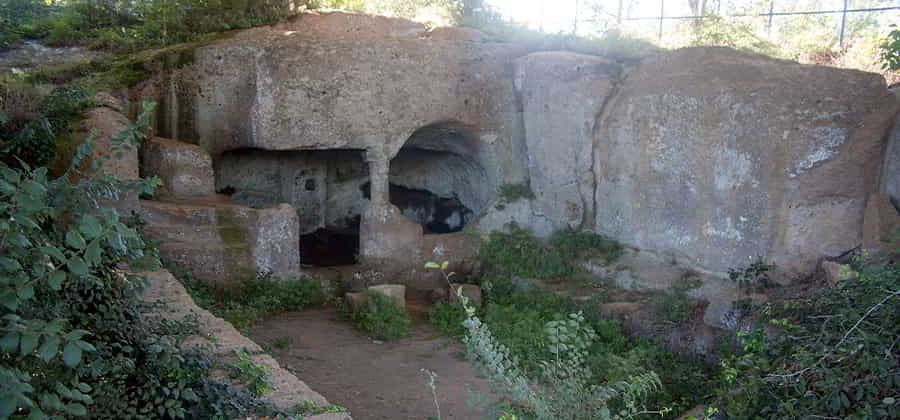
[
  {"x": 436, "y": 214},
  {"x": 329, "y": 247}
]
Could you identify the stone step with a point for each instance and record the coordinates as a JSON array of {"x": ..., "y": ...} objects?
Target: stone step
[
  {"x": 166, "y": 213},
  {"x": 185, "y": 169},
  {"x": 228, "y": 234},
  {"x": 211, "y": 262}
]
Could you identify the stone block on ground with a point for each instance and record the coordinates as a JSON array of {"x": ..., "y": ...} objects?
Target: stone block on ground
[
  {"x": 881, "y": 224},
  {"x": 395, "y": 292},
  {"x": 834, "y": 272}
]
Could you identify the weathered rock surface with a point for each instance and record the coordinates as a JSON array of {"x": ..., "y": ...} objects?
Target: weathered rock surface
[
  {"x": 394, "y": 292},
  {"x": 185, "y": 169},
  {"x": 715, "y": 156},
  {"x": 561, "y": 96},
  {"x": 881, "y": 226},
  {"x": 114, "y": 158},
  {"x": 220, "y": 340},
  {"x": 220, "y": 242},
  {"x": 704, "y": 157}
]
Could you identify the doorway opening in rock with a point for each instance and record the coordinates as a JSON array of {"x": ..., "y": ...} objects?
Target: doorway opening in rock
[
  {"x": 330, "y": 247},
  {"x": 322, "y": 185},
  {"x": 437, "y": 179},
  {"x": 436, "y": 214}
]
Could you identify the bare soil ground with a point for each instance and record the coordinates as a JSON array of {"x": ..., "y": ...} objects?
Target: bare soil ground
[{"x": 376, "y": 380}]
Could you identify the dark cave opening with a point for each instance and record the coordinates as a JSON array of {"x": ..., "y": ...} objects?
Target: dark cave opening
[
  {"x": 436, "y": 214},
  {"x": 330, "y": 247}
]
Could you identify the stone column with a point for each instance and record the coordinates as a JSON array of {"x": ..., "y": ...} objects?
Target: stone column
[{"x": 379, "y": 167}]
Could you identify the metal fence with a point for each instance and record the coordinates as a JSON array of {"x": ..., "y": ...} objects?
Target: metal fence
[{"x": 608, "y": 13}]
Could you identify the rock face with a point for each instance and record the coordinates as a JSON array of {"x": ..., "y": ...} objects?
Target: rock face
[
  {"x": 561, "y": 95},
  {"x": 185, "y": 169},
  {"x": 704, "y": 157},
  {"x": 715, "y": 156}
]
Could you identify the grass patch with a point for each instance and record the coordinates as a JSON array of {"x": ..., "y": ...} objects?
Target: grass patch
[
  {"x": 383, "y": 318},
  {"x": 253, "y": 299},
  {"x": 519, "y": 253}
]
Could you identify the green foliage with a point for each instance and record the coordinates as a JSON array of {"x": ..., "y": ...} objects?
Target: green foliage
[
  {"x": 32, "y": 139},
  {"x": 253, "y": 376},
  {"x": 510, "y": 193},
  {"x": 448, "y": 318},
  {"x": 519, "y": 321},
  {"x": 755, "y": 275},
  {"x": 675, "y": 305},
  {"x": 383, "y": 318},
  {"x": 519, "y": 253},
  {"x": 75, "y": 337},
  {"x": 719, "y": 31},
  {"x": 890, "y": 50},
  {"x": 252, "y": 299},
  {"x": 564, "y": 386},
  {"x": 835, "y": 357}
]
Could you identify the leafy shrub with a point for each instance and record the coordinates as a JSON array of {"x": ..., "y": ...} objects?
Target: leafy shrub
[
  {"x": 383, "y": 318},
  {"x": 519, "y": 253},
  {"x": 755, "y": 275},
  {"x": 448, "y": 318},
  {"x": 890, "y": 50},
  {"x": 34, "y": 141},
  {"x": 675, "y": 305},
  {"x": 835, "y": 358},
  {"x": 75, "y": 337},
  {"x": 565, "y": 388},
  {"x": 252, "y": 299},
  {"x": 254, "y": 376}
]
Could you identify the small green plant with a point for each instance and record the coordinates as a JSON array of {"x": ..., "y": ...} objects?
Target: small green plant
[
  {"x": 383, "y": 318},
  {"x": 510, "y": 193},
  {"x": 282, "y": 343},
  {"x": 309, "y": 408},
  {"x": 252, "y": 375},
  {"x": 675, "y": 305},
  {"x": 519, "y": 253},
  {"x": 448, "y": 318},
  {"x": 755, "y": 275}
]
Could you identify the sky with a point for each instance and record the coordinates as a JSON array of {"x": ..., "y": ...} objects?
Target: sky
[{"x": 558, "y": 15}]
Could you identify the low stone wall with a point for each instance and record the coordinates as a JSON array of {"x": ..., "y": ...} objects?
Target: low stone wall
[{"x": 220, "y": 340}]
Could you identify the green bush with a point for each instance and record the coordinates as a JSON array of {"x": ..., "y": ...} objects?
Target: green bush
[
  {"x": 834, "y": 357},
  {"x": 75, "y": 337},
  {"x": 675, "y": 305},
  {"x": 519, "y": 253},
  {"x": 448, "y": 318},
  {"x": 33, "y": 139},
  {"x": 383, "y": 318}
]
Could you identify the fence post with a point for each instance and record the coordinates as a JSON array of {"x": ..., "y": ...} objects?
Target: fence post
[
  {"x": 662, "y": 9},
  {"x": 619, "y": 15},
  {"x": 575, "y": 24},
  {"x": 771, "y": 15},
  {"x": 843, "y": 24}
]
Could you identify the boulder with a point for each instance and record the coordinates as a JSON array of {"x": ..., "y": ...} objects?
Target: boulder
[
  {"x": 395, "y": 292},
  {"x": 718, "y": 155},
  {"x": 890, "y": 169},
  {"x": 185, "y": 169},
  {"x": 276, "y": 235},
  {"x": 834, "y": 272},
  {"x": 881, "y": 226}
]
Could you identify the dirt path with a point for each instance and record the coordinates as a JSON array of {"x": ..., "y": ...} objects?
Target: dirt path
[{"x": 374, "y": 380}]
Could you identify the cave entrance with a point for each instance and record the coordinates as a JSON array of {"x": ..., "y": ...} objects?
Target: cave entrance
[
  {"x": 330, "y": 247},
  {"x": 322, "y": 185},
  {"x": 437, "y": 179}
]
